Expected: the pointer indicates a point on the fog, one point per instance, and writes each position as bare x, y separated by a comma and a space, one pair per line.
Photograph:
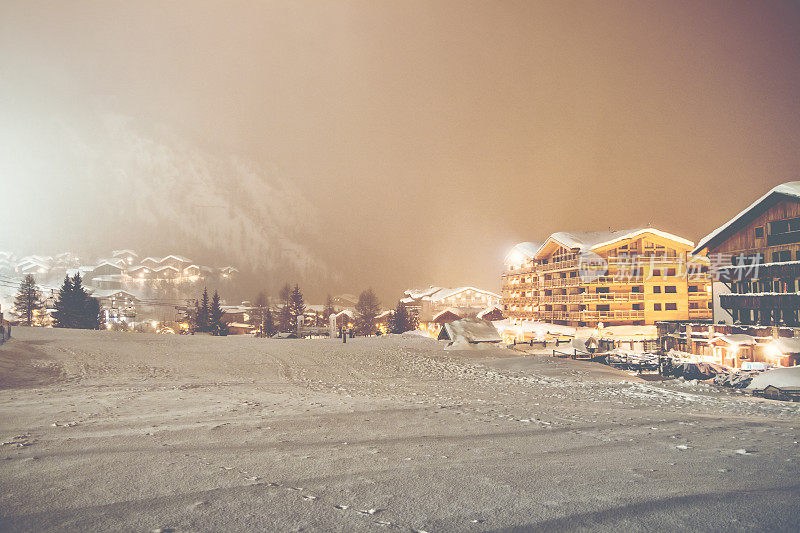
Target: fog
387, 144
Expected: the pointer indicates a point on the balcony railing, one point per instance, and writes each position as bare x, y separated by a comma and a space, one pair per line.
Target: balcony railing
559, 265
760, 301
613, 315
614, 297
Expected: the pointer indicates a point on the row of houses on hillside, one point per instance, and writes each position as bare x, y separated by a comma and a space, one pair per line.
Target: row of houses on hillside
113, 271
627, 277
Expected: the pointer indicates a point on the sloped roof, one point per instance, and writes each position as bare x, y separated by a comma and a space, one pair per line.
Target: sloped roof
736, 339
785, 190
489, 310
787, 345
445, 293
445, 313
178, 257
590, 240
470, 330
115, 253
416, 294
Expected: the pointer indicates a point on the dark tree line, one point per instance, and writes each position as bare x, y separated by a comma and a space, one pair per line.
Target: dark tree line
74, 308
207, 317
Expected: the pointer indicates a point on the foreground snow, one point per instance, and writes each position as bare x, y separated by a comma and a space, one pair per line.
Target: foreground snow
115, 431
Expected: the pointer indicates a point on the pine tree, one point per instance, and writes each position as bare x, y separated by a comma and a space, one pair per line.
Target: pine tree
297, 307
92, 314
284, 314
269, 323
215, 317
202, 318
401, 321
28, 301
74, 307
367, 308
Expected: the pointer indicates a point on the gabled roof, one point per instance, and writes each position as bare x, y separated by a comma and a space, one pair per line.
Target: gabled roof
176, 257
488, 310
784, 190
585, 241
446, 314
117, 253
165, 267
114, 264
446, 293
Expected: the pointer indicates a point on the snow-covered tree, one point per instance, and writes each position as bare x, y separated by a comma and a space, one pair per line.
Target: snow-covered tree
216, 326
28, 301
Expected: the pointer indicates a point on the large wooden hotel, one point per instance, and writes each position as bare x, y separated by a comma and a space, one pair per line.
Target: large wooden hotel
631, 277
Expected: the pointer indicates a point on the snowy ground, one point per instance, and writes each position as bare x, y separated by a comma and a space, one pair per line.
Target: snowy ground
135, 432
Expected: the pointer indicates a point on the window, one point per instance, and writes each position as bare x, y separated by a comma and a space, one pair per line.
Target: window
670, 272
637, 288
656, 290
656, 272
760, 232
603, 290
692, 288
656, 307
637, 307
670, 289
671, 307
604, 307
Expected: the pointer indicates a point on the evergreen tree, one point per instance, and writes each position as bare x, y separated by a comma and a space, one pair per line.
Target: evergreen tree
367, 308
202, 317
62, 315
284, 313
269, 323
28, 301
215, 313
401, 321
74, 308
297, 306
93, 317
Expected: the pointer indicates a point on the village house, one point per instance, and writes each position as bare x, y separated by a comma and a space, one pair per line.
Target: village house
736, 346
629, 277
757, 257
465, 302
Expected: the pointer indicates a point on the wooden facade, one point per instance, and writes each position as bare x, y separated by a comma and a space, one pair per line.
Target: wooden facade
757, 255
637, 279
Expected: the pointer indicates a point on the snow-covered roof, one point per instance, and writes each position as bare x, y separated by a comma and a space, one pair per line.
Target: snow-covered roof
590, 240
416, 294
108, 293
384, 314
441, 294
785, 379
790, 189
166, 267
106, 262
117, 253
736, 339
345, 312
177, 258
489, 310
444, 312
470, 330
787, 345
151, 259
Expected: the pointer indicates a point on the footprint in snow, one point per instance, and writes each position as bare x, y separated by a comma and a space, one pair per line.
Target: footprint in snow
309, 497
369, 511
342, 507
682, 447
742, 451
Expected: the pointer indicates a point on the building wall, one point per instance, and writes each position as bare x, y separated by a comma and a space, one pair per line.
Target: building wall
557, 286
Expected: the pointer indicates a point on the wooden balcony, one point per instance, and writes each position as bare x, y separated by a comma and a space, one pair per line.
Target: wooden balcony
614, 297
559, 265
760, 301
612, 315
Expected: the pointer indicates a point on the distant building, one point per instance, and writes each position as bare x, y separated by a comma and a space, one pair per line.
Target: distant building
757, 257
465, 302
630, 277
